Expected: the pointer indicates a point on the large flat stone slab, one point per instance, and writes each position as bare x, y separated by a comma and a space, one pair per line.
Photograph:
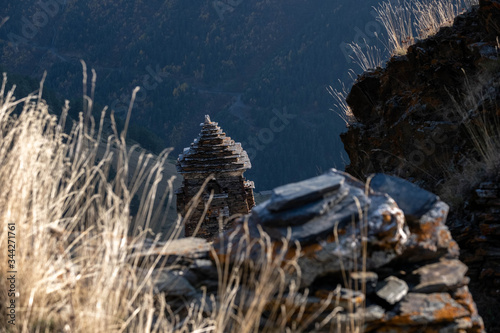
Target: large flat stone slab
413, 200
339, 216
300, 214
424, 309
291, 195
441, 276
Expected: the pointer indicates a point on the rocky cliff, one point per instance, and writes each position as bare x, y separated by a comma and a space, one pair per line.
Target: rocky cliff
432, 117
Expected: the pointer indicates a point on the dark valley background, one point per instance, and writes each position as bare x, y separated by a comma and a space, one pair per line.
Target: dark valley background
259, 68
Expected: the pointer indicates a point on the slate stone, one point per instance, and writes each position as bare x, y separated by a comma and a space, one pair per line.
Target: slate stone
189, 247
392, 290
373, 313
300, 214
338, 216
310, 190
442, 276
413, 200
424, 309
175, 251
344, 321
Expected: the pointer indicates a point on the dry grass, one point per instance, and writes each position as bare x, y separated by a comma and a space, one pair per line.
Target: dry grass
269, 284
73, 229
75, 238
342, 109
406, 21
396, 18
480, 117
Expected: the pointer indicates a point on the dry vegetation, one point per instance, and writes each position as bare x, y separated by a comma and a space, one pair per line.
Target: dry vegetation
75, 236
404, 23
72, 225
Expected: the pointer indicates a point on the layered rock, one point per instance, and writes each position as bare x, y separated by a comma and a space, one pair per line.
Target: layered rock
407, 122
213, 187
408, 125
310, 211
388, 238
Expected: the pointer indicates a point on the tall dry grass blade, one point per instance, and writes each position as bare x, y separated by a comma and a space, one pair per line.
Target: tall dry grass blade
71, 226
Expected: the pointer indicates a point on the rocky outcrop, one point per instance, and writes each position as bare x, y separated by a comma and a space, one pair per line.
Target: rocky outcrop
213, 185
407, 124
432, 117
380, 250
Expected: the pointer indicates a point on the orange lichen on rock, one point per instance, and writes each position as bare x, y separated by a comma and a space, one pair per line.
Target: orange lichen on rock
450, 312
427, 230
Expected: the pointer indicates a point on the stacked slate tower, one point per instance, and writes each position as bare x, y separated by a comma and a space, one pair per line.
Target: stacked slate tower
215, 155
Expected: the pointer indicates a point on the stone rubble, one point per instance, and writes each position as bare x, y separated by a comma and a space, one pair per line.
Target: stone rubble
410, 272
408, 126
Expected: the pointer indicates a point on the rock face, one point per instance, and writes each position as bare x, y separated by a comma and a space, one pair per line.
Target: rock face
215, 156
408, 260
481, 218
408, 126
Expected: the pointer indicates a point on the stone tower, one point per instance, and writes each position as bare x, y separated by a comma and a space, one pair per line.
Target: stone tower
213, 154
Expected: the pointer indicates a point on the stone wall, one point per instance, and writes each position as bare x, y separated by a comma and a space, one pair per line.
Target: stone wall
477, 228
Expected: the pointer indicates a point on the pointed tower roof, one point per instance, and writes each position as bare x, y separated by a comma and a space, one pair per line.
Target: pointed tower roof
213, 152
